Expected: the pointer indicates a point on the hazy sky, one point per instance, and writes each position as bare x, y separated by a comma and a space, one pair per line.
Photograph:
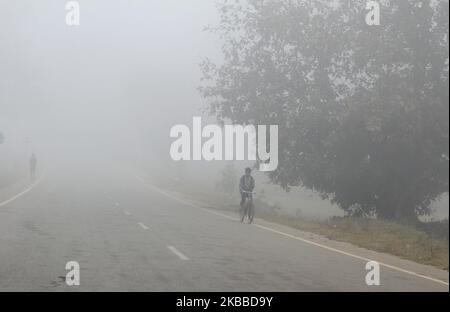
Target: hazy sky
117, 81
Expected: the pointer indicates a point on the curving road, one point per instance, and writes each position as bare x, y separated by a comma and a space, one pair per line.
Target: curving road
129, 236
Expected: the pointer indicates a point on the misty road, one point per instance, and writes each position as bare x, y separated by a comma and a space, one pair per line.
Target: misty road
128, 236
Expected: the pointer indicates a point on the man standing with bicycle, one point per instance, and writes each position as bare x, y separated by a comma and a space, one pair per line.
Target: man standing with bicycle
246, 185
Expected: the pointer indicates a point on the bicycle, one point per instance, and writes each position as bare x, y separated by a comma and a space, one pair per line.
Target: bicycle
248, 208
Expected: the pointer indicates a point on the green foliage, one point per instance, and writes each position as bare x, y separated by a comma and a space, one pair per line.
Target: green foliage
362, 110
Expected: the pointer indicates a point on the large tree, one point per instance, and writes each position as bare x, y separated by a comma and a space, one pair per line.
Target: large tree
362, 110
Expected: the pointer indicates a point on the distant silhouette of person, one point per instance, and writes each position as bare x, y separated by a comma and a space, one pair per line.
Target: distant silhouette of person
246, 185
33, 165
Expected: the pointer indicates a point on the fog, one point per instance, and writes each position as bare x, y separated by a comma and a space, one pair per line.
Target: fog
361, 145
108, 90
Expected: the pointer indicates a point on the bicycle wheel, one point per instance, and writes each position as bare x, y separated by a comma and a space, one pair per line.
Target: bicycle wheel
251, 213
243, 212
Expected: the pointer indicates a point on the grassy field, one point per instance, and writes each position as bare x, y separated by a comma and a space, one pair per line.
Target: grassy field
406, 241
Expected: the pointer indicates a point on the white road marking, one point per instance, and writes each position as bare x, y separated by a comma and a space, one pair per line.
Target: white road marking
142, 225
298, 238
187, 203
178, 253
117, 204
23, 192
350, 255
126, 213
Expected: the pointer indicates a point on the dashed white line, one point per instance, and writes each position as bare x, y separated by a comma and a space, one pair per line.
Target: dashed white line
395, 268
178, 253
127, 213
117, 204
142, 225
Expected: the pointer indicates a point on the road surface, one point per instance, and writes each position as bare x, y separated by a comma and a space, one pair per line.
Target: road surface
129, 236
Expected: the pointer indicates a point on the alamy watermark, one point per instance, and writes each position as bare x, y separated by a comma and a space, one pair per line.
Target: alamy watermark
72, 13
73, 276
373, 16
226, 143
373, 274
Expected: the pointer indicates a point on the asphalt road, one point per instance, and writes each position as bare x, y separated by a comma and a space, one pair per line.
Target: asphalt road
128, 236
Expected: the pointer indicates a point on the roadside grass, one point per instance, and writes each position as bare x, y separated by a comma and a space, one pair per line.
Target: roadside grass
389, 237
402, 240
